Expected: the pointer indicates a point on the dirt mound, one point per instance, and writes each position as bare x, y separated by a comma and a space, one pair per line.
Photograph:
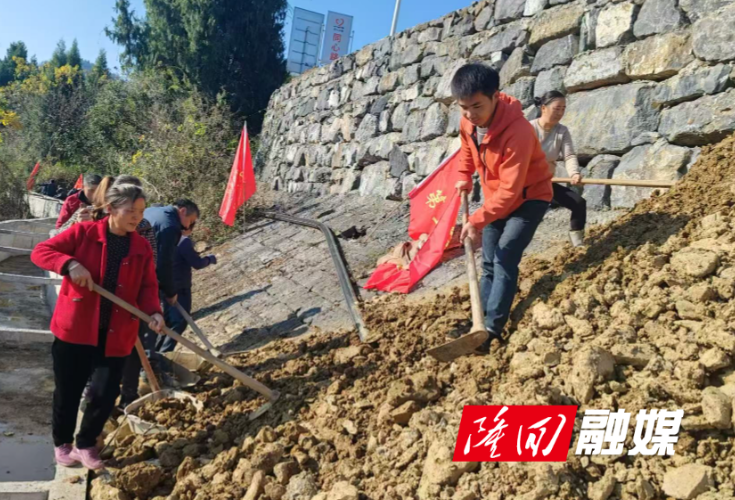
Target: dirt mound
639, 320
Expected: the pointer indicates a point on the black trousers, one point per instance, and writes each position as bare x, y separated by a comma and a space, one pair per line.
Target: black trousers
573, 201
133, 365
73, 366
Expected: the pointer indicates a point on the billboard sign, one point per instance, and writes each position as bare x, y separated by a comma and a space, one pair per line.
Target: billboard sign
303, 47
336, 37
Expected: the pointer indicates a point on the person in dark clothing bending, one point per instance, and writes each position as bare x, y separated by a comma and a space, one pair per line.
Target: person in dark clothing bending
93, 336
169, 223
186, 259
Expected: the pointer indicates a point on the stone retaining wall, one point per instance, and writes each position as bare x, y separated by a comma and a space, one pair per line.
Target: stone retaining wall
649, 81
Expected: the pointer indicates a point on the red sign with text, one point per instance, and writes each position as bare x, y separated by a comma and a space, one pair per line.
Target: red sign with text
515, 433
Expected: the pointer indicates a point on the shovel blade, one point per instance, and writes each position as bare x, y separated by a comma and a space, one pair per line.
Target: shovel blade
462, 346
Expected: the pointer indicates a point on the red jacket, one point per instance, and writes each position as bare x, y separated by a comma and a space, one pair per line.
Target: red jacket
70, 206
510, 161
77, 314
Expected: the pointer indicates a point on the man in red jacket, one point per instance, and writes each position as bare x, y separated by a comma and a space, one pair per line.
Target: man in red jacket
501, 146
79, 199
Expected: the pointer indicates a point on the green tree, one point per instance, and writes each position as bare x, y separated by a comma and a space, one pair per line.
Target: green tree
231, 49
8, 65
73, 57
59, 58
99, 71
130, 33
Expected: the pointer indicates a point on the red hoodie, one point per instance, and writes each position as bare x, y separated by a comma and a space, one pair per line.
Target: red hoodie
510, 161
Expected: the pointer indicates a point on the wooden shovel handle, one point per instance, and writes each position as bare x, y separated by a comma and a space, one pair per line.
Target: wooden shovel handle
199, 333
152, 380
478, 316
230, 370
618, 182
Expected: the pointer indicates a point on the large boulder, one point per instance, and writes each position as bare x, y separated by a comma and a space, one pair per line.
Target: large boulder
658, 57
615, 24
533, 7
598, 68
714, 36
556, 23
443, 92
688, 481
484, 19
590, 367
551, 79
428, 156
502, 39
435, 122
657, 16
557, 52
440, 470
522, 90
706, 120
412, 128
368, 128
376, 180
608, 120
697, 9
601, 167
692, 82
660, 161
517, 66
509, 10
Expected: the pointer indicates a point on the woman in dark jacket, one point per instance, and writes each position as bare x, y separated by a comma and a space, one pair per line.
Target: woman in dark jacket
94, 336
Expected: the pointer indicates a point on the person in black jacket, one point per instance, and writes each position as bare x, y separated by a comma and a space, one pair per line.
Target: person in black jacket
169, 223
186, 259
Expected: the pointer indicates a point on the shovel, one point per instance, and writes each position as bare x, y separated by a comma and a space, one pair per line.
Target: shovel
466, 344
250, 382
198, 331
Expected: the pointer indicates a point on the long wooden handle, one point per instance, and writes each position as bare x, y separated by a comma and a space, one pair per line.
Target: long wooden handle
478, 316
618, 182
230, 370
199, 333
152, 380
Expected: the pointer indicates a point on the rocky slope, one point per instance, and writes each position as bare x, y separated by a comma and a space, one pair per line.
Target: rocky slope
641, 319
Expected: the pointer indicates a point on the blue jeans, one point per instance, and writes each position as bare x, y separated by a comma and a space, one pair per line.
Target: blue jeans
174, 320
503, 243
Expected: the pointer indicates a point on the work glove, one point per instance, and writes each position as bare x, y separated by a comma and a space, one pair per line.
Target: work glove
212, 259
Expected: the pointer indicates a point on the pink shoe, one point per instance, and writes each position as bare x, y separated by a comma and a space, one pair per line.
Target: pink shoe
62, 454
89, 457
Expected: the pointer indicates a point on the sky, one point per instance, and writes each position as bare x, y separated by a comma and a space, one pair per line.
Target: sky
42, 23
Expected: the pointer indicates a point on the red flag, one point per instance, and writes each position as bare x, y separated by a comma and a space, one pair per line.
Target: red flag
80, 182
241, 185
434, 208
32, 179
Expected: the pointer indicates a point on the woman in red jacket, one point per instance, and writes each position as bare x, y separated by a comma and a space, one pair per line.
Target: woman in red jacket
94, 336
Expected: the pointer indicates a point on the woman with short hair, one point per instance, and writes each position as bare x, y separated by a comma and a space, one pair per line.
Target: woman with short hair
93, 335
556, 141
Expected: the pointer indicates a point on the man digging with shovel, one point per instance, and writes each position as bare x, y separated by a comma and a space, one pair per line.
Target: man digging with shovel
500, 144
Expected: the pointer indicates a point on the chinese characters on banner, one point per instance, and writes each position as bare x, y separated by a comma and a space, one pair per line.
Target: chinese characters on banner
336, 37
514, 433
656, 432
543, 433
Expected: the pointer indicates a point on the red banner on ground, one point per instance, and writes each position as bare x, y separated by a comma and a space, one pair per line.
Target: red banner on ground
514, 433
434, 207
241, 185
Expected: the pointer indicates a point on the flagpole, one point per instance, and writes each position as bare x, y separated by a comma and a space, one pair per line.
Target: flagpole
395, 18
245, 135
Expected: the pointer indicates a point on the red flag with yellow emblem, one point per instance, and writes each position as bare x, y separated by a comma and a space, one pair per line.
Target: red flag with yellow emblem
241, 185
434, 207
